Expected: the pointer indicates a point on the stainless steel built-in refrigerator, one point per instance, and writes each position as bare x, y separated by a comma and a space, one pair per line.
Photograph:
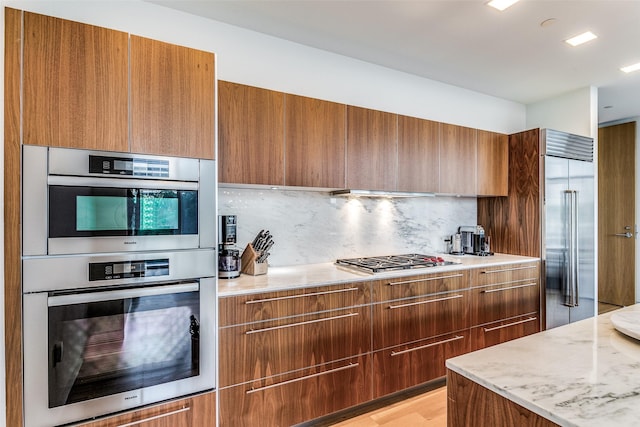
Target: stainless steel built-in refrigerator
568, 248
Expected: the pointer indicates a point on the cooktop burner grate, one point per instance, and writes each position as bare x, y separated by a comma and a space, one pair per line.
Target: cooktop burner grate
379, 264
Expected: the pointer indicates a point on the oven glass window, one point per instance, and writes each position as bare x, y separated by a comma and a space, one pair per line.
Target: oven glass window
101, 213
157, 211
102, 348
97, 211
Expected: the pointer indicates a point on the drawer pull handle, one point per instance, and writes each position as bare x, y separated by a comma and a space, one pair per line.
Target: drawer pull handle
392, 307
504, 270
257, 301
308, 322
330, 371
508, 288
409, 350
155, 417
530, 319
406, 282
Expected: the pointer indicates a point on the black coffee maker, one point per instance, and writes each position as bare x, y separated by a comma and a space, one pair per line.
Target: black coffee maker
228, 255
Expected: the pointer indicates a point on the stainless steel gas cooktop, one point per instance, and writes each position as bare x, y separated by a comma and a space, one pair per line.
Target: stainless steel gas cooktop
378, 264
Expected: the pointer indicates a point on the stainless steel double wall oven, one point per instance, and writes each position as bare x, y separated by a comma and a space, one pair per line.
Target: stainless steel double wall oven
119, 264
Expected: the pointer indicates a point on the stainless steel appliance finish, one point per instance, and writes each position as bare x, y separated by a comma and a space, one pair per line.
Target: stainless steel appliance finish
568, 227
378, 264
113, 332
66, 273
454, 244
100, 177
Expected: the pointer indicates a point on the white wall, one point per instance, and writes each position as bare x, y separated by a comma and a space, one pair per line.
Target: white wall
574, 112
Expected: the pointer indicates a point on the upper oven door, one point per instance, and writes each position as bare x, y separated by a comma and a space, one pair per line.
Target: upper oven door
82, 202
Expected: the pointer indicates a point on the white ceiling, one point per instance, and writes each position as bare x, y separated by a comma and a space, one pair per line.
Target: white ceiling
465, 43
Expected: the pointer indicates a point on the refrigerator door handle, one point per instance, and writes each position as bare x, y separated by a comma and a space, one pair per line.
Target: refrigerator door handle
576, 253
571, 266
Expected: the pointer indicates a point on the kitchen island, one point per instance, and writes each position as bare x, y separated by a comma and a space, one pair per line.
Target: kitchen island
582, 374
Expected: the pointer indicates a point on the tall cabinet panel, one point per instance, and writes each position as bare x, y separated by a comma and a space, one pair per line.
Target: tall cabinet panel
513, 222
372, 149
12, 218
493, 163
418, 155
315, 142
172, 99
458, 157
75, 84
251, 135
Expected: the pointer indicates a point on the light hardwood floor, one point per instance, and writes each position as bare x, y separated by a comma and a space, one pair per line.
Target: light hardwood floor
424, 410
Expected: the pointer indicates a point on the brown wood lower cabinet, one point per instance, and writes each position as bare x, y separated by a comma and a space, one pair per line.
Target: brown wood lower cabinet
505, 330
408, 320
194, 411
259, 350
290, 356
291, 398
405, 366
469, 405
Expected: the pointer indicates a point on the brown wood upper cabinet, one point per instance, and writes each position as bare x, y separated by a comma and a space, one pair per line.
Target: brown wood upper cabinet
372, 149
493, 164
418, 155
75, 84
315, 142
458, 157
251, 135
172, 99
76, 91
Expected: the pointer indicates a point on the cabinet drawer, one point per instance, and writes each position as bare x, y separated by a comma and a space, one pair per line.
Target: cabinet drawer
273, 305
405, 366
285, 400
407, 320
506, 330
259, 350
412, 286
498, 302
505, 273
195, 411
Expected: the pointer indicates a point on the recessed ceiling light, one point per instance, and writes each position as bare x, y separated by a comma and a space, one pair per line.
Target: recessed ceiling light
581, 38
630, 68
501, 4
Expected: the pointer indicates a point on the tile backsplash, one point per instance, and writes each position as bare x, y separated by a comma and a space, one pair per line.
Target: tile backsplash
313, 227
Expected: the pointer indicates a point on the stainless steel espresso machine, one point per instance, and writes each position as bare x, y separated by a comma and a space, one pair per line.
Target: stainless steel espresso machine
228, 254
474, 241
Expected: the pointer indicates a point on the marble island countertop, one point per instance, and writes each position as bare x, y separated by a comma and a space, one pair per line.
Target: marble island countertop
582, 374
300, 276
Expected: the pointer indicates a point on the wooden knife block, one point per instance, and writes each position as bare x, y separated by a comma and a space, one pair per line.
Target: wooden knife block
249, 264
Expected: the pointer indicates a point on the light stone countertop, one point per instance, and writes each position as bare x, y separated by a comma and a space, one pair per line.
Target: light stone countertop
582, 374
301, 276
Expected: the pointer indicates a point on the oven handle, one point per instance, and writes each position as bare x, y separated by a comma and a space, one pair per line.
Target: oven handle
77, 181
88, 297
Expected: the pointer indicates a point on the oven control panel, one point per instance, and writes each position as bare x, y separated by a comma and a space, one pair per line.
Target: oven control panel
129, 166
128, 269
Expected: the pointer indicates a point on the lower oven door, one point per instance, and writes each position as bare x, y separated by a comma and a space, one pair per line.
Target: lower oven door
102, 351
